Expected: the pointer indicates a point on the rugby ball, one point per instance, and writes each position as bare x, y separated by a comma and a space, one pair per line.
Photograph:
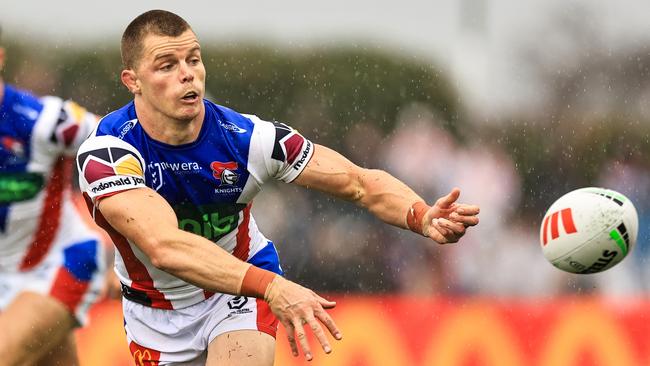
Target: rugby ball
589, 230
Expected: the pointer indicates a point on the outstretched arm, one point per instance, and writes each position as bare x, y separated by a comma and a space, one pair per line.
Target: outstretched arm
146, 219
387, 197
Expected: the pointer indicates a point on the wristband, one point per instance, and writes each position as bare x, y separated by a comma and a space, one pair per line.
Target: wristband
255, 282
415, 215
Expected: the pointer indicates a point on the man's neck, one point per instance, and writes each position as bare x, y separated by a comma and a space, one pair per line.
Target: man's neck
169, 130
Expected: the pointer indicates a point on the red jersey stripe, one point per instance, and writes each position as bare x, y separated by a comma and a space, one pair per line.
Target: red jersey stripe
242, 248
50, 216
137, 271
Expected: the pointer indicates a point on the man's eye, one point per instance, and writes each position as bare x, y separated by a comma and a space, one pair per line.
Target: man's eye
166, 67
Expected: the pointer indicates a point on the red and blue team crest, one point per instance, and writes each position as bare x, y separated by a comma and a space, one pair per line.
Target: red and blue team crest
224, 172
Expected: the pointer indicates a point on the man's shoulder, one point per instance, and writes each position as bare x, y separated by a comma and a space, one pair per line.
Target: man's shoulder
236, 123
17, 96
117, 123
20, 104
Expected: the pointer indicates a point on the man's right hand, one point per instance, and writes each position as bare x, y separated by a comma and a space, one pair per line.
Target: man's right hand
296, 306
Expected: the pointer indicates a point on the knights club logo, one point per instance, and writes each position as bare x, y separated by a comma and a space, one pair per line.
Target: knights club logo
225, 172
553, 220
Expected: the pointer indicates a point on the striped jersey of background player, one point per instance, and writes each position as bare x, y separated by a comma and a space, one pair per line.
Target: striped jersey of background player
51, 263
171, 174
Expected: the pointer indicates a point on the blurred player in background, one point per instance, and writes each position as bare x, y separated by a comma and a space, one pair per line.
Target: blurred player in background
171, 174
51, 263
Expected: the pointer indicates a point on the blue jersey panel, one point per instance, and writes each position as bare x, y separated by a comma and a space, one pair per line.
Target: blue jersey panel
202, 180
18, 114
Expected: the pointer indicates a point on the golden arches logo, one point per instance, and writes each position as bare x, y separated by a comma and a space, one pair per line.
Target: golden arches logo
587, 327
141, 356
369, 338
476, 328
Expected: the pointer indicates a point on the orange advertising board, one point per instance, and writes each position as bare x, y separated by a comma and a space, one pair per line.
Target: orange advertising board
389, 330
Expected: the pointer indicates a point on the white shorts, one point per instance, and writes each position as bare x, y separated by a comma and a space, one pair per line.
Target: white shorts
184, 334
181, 336
72, 273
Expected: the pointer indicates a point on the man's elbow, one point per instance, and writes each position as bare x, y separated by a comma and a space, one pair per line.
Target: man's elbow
361, 184
369, 185
158, 253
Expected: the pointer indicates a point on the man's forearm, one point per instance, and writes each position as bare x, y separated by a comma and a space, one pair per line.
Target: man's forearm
386, 196
146, 219
200, 262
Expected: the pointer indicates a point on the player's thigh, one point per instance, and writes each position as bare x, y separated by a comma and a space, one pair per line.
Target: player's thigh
242, 348
32, 325
63, 354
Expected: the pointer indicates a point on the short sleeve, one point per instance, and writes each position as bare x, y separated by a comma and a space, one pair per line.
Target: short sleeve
75, 124
277, 151
108, 165
63, 125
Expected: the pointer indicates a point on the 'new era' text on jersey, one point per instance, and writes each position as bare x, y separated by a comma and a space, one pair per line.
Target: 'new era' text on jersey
210, 183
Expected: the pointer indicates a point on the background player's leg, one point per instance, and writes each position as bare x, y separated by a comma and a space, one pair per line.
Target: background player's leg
32, 326
242, 348
63, 354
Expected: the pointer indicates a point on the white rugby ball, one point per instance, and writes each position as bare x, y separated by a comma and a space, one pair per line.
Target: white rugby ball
589, 230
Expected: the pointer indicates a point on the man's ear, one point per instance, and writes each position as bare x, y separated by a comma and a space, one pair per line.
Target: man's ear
2, 58
130, 80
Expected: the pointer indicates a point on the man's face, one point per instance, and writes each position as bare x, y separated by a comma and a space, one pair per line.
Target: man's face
171, 75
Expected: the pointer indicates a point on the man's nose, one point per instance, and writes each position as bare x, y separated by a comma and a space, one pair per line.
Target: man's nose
187, 74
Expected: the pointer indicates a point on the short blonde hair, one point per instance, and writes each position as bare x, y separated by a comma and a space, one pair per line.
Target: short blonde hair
158, 22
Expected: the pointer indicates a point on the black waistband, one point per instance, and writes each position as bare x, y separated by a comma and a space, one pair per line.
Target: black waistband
134, 295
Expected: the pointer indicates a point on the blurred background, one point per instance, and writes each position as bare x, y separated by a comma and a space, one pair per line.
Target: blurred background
514, 102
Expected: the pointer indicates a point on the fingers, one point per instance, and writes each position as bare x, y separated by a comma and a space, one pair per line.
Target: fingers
456, 228
320, 334
464, 220
437, 232
444, 231
300, 317
326, 319
302, 339
326, 304
467, 210
448, 200
291, 331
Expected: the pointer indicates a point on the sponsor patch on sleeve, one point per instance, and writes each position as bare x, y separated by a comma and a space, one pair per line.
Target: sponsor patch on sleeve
292, 150
106, 170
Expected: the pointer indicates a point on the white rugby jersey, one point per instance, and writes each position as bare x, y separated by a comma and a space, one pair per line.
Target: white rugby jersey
36, 135
210, 183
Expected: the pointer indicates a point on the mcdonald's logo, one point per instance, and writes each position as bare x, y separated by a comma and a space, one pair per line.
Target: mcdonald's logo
554, 218
144, 356
140, 357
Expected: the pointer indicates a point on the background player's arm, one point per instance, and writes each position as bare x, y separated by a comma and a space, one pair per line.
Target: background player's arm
144, 217
385, 196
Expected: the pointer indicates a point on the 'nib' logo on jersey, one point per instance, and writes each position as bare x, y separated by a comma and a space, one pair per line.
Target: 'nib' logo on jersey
224, 172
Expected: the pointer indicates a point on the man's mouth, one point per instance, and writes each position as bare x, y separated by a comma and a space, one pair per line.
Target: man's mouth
190, 96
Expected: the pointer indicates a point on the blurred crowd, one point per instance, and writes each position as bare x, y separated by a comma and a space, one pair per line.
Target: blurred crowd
386, 113
334, 246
